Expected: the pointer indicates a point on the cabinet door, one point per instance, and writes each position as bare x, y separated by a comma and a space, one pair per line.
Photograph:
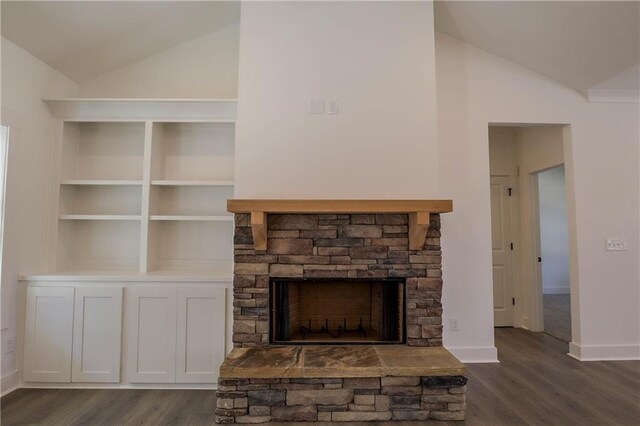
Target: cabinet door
201, 334
96, 335
151, 337
48, 334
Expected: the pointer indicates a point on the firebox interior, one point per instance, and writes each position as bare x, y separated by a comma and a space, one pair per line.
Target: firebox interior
344, 311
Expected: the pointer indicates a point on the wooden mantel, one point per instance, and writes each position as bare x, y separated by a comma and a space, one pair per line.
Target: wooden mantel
418, 211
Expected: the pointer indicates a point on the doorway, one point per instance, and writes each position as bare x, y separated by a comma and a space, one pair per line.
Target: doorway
554, 252
529, 228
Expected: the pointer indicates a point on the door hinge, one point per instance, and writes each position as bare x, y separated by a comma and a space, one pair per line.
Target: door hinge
513, 301
511, 246
539, 259
510, 189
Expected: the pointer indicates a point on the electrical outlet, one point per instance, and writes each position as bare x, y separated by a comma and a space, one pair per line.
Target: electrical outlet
454, 324
616, 244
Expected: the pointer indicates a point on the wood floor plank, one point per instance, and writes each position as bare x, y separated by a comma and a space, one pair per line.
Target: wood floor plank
536, 383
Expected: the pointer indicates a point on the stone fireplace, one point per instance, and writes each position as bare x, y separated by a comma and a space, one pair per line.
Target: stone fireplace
337, 314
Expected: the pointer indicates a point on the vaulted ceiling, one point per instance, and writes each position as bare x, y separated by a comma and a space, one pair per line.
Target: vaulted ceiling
84, 39
582, 44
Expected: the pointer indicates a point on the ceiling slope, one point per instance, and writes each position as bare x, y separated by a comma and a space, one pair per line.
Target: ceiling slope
579, 44
84, 39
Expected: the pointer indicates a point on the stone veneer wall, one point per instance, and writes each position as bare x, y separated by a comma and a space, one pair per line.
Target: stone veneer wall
341, 400
336, 246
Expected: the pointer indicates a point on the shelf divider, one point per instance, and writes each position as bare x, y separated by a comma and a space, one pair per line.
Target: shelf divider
99, 217
207, 218
100, 182
192, 182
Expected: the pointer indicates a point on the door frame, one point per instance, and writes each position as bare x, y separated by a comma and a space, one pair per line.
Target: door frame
529, 314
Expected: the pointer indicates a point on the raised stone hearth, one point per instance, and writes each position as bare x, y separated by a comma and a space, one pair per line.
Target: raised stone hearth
340, 383
321, 276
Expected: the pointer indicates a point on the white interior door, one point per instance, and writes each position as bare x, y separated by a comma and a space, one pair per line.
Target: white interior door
201, 328
151, 341
97, 335
502, 251
48, 334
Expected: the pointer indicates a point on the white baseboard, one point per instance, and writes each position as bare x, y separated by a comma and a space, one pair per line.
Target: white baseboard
163, 386
604, 352
10, 382
556, 290
475, 355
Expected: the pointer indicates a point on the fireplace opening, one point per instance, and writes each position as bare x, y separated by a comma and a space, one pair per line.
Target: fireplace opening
337, 311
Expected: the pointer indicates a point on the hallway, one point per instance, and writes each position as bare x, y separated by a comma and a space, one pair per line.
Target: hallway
557, 316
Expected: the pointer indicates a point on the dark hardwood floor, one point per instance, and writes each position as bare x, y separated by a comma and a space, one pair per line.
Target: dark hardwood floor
536, 383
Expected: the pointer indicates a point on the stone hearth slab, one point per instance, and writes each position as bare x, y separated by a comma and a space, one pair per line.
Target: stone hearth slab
341, 361
419, 361
274, 362
263, 362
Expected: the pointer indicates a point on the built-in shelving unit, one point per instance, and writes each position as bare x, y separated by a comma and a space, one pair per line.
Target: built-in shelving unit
142, 187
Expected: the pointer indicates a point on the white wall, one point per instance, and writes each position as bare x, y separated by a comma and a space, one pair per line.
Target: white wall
25, 82
206, 67
476, 88
377, 58
554, 231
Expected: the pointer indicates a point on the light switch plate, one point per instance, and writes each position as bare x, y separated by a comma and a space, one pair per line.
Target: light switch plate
333, 106
616, 244
316, 106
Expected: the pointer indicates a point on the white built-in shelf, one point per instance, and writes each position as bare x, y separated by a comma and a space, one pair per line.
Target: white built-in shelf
99, 217
217, 218
192, 182
100, 182
142, 188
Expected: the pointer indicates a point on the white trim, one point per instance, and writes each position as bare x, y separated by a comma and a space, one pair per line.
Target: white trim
219, 110
224, 275
10, 382
208, 386
475, 355
613, 96
604, 352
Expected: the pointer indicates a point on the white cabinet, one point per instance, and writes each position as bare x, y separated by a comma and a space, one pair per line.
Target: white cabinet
151, 341
73, 342
48, 334
201, 328
97, 335
169, 333
175, 335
